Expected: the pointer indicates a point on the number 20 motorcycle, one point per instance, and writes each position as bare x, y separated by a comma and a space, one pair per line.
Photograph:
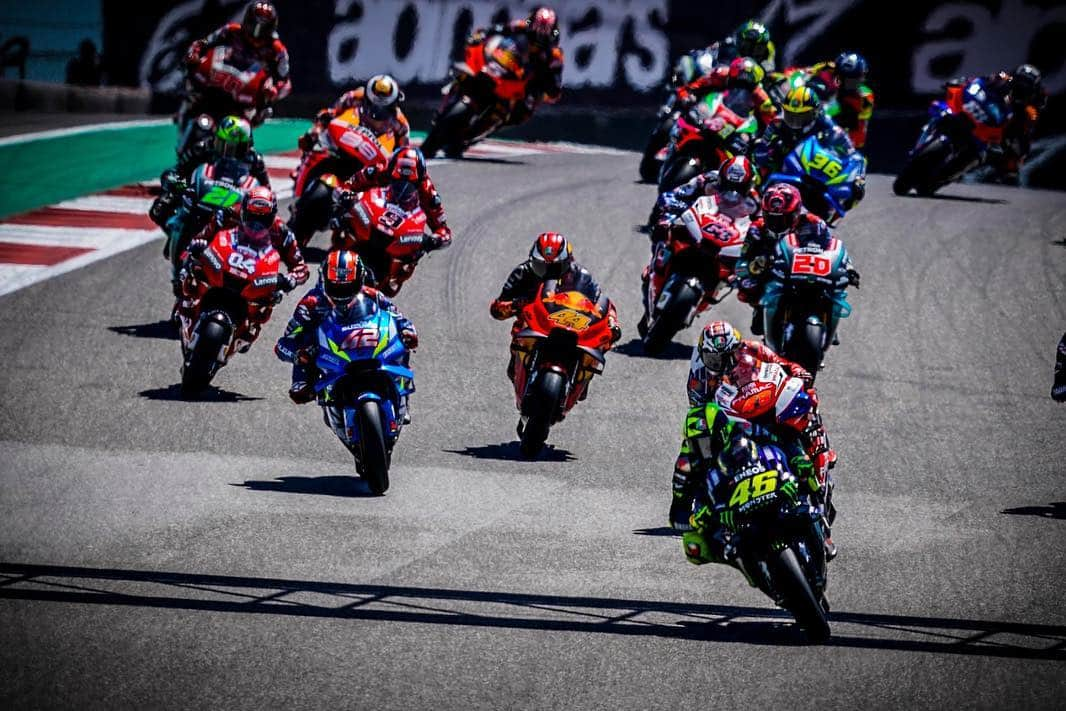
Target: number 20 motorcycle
804, 300
363, 385
563, 342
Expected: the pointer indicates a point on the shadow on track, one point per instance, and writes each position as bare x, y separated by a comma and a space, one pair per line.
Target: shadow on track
661, 531
509, 452
634, 348
159, 329
1055, 510
172, 393
347, 486
553, 613
959, 198
485, 159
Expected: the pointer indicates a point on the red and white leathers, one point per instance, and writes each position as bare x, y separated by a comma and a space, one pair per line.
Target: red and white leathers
397, 125
428, 198
670, 204
273, 54
281, 238
703, 383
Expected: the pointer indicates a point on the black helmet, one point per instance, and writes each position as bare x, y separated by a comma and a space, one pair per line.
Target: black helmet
1026, 84
740, 453
753, 40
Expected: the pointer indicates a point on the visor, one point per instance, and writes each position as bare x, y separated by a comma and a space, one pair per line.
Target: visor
797, 121
718, 362
851, 83
341, 294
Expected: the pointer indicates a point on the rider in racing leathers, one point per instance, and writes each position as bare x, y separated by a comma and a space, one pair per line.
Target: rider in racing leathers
732, 185
715, 359
840, 84
743, 74
255, 38
751, 39
342, 277
408, 181
378, 105
541, 31
551, 257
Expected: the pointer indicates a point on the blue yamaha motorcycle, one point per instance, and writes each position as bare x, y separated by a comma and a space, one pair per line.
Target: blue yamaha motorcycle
363, 385
830, 180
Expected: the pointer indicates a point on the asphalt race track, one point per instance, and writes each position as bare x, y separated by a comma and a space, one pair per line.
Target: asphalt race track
220, 554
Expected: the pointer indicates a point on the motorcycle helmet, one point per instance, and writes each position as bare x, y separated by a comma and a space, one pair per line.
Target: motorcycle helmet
406, 169
1026, 84
741, 453
782, 206
850, 70
343, 275
259, 208
813, 231
233, 138
801, 108
543, 26
745, 73
735, 178
381, 99
260, 23
551, 255
718, 346
753, 40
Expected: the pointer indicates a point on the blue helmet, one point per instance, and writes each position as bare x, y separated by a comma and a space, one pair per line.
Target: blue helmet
851, 70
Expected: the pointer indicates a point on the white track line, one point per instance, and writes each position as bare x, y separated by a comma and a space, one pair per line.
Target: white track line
76, 130
108, 203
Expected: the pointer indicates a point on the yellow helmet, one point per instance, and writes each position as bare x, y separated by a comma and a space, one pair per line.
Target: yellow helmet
801, 107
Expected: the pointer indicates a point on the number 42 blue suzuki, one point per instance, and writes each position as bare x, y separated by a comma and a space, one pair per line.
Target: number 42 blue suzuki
363, 385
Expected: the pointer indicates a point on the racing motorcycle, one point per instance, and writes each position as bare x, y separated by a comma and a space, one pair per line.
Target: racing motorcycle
831, 180
804, 300
718, 127
363, 385
222, 83
216, 191
483, 90
389, 239
232, 289
343, 148
690, 67
961, 130
776, 533
563, 343
688, 271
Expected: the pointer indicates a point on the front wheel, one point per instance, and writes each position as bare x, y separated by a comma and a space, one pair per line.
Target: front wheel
649, 164
806, 345
924, 169
670, 320
202, 362
678, 170
373, 454
447, 131
791, 583
541, 405
310, 212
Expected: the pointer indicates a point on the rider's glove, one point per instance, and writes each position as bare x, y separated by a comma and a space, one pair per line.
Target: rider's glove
501, 310
307, 141
192, 57
616, 330
803, 374
853, 278
197, 247
438, 240
286, 283
305, 356
685, 98
323, 117
409, 337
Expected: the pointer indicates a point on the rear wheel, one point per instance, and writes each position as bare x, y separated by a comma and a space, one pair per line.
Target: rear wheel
446, 133
541, 406
310, 212
200, 366
373, 454
671, 320
923, 171
791, 583
678, 170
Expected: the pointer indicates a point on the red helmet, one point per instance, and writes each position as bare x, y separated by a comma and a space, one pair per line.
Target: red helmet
736, 175
343, 276
781, 207
259, 209
260, 23
406, 169
551, 255
745, 73
543, 26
